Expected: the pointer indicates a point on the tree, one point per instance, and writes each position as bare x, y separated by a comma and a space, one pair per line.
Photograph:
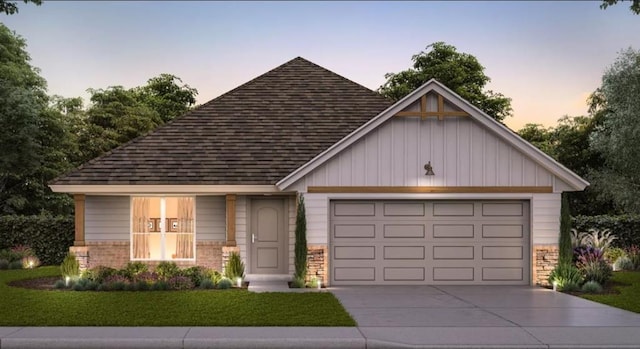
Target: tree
618, 137
169, 99
539, 136
11, 7
565, 253
460, 72
300, 247
634, 7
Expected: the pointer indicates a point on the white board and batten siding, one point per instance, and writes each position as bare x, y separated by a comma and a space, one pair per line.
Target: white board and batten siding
108, 218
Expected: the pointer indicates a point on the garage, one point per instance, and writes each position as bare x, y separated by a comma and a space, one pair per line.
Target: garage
400, 242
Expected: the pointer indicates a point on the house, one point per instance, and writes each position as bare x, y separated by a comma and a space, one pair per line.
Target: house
427, 190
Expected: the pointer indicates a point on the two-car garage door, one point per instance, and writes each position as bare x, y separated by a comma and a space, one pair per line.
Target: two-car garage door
429, 242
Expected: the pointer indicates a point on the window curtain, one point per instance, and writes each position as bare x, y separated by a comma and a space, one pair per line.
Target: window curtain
141, 228
184, 243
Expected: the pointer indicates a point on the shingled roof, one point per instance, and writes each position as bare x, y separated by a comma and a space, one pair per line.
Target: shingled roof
257, 133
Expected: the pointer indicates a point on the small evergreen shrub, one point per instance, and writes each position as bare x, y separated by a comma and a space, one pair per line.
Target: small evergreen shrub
70, 266
570, 286
99, 273
591, 287
59, 284
142, 286
167, 270
215, 276
91, 286
115, 282
565, 276
102, 287
300, 248
4, 264
196, 274
8, 255
313, 283
77, 287
624, 263
179, 282
15, 265
224, 283
146, 277
297, 283
207, 284
134, 268
160, 285
235, 267
130, 286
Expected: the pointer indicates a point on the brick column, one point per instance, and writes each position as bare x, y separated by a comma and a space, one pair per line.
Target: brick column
544, 260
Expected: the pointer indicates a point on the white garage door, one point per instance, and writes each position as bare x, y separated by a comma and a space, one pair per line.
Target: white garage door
429, 242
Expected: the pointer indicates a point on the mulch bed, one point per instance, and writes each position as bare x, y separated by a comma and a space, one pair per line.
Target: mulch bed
43, 283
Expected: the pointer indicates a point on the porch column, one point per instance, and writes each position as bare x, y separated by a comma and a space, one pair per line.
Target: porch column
79, 222
231, 219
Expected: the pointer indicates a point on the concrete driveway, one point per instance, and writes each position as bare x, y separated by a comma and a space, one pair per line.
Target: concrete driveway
486, 316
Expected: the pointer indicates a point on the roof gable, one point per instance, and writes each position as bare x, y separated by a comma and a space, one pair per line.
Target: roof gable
444, 103
255, 134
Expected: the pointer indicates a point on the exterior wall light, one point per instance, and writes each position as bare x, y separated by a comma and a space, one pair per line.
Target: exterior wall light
239, 281
429, 169
555, 285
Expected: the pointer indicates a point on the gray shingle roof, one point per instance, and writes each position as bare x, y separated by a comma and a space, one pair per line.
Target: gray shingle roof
257, 133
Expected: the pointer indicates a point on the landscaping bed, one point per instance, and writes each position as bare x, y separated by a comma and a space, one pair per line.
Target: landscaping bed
198, 307
622, 292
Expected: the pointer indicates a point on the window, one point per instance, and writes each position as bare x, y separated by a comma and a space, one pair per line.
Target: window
163, 228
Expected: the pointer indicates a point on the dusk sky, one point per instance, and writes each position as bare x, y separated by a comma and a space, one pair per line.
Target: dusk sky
546, 56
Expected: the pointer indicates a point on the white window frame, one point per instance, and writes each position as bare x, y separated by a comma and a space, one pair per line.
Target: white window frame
163, 229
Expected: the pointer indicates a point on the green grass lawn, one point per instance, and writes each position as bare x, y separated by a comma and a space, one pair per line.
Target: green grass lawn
28, 307
629, 296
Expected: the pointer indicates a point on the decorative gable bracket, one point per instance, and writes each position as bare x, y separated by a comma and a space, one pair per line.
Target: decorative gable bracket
432, 104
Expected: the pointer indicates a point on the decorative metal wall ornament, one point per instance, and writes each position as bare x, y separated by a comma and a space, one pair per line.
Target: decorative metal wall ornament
429, 169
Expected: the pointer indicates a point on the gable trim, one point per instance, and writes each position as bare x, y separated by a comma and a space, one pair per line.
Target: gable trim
548, 163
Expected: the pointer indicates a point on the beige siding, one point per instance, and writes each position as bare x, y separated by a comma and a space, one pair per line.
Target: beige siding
241, 227
107, 218
546, 218
292, 233
210, 218
462, 154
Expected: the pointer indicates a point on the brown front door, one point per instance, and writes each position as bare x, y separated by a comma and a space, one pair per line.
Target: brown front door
267, 236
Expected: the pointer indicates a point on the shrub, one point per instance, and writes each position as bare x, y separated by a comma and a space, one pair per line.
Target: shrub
134, 268
224, 283
235, 267
115, 282
22, 251
565, 276
623, 263
300, 248
633, 252
625, 227
146, 277
313, 283
167, 270
591, 287
297, 283
130, 286
4, 264
59, 284
77, 287
215, 276
70, 266
600, 239
160, 285
99, 273
142, 286
207, 284
179, 282
15, 265
613, 253
570, 286
48, 236
92, 286
30, 262
196, 274
8, 255
598, 271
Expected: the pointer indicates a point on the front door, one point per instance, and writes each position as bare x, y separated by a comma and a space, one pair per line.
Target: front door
267, 236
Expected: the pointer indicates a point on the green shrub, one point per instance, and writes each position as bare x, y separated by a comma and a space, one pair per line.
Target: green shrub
167, 270
207, 284
591, 287
313, 283
8, 255
99, 273
92, 286
117, 286
15, 265
77, 287
133, 269
70, 266
598, 271
160, 285
4, 264
180, 282
633, 252
300, 248
142, 286
195, 274
59, 284
224, 283
624, 263
565, 276
570, 286
624, 226
130, 286
235, 267
215, 276
613, 253
297, 283
565, 253
48, 236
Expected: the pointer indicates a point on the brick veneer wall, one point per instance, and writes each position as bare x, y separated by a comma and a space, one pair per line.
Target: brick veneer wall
545, 258
317, 260
115, 254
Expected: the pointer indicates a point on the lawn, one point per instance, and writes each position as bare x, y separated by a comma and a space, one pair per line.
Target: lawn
629, 288
28, 307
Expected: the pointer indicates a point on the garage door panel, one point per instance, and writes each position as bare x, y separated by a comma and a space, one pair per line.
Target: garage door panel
354, 231
354, 209
430, 242
404, 230
453, 252
404, 274
441, 231
404, 252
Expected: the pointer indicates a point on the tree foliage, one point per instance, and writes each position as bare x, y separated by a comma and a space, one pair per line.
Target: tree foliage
634, 7
300, 248
565, 249
460, 72
618, 137
11, 7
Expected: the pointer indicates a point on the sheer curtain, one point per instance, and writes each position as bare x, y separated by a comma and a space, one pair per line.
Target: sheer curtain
141, 228
184, 242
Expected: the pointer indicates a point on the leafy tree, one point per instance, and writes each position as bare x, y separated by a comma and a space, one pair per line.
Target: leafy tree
539, 136
634, 7
618, 137
461, 72
11, 7
166, 97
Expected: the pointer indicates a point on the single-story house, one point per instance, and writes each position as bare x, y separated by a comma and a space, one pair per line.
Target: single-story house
426, 190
